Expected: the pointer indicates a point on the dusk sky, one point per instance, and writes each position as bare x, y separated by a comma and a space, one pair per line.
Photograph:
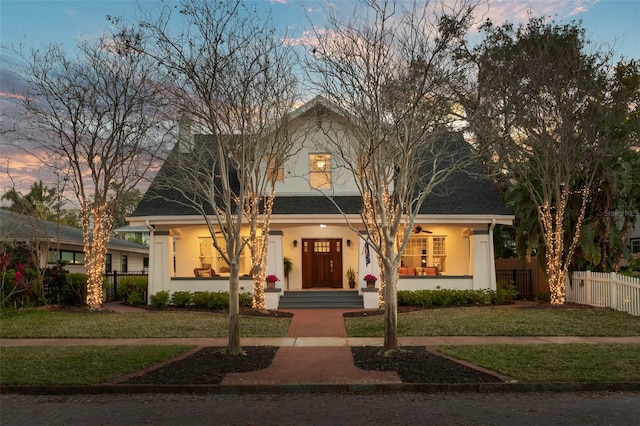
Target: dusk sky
609, 23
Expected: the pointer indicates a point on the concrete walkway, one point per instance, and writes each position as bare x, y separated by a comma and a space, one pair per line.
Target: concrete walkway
316, 349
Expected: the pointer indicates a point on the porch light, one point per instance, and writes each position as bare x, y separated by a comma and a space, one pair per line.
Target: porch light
295, 243
322, 225
348, 243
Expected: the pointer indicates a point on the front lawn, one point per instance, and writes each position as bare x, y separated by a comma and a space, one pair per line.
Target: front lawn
502, 321
78, 365
555, 363
57, 324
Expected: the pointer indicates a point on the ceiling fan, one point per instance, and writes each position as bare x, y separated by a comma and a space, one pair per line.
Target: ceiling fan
418, 229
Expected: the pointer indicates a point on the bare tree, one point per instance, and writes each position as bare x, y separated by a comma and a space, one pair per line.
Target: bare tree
232, 77
386, 68
536, 107
98, 113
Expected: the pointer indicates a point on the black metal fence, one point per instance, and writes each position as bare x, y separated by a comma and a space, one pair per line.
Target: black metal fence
111, 292
521, 278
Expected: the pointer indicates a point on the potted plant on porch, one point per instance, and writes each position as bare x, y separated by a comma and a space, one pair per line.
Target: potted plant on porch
271, 281
371, 280
351, 277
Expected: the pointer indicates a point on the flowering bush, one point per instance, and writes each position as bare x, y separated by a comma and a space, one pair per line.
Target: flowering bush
370, 277
272, 278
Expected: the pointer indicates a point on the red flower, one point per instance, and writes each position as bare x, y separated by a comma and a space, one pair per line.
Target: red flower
272, 278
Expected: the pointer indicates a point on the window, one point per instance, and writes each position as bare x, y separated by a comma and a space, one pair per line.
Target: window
107, 263
635, 245
271, 168
320, 171
416, 252
67, 257
439, 252
425, 251
145, 262
124, 264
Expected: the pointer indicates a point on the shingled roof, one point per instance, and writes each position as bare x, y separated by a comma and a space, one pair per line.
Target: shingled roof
463, 193
18, 227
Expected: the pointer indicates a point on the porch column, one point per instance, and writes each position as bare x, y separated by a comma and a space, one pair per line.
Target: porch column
160, 261
482, 255
275, 265
367, 263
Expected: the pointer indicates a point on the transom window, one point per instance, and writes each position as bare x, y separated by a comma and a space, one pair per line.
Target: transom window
320, 170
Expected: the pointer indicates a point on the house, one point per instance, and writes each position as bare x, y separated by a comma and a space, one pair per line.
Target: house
451, 245
55, 242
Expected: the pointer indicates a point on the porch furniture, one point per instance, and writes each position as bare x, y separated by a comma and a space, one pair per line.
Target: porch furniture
205, 272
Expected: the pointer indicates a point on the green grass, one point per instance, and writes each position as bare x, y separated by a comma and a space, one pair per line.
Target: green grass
53, 324
77, 365
502, 321
555, 363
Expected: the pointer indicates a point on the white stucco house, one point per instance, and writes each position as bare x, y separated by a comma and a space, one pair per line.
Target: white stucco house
450, 247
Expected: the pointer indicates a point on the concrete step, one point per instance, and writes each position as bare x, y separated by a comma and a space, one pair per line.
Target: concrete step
320, 299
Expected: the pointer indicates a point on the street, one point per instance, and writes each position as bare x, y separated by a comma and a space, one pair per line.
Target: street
546, 408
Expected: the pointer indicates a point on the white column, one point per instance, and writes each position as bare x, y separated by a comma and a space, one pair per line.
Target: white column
160, 261
482, 260
363, 267
275, 265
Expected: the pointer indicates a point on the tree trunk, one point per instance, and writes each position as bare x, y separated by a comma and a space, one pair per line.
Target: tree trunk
390, 310
233, 347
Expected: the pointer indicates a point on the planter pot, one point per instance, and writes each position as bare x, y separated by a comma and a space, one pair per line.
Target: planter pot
352, 284
371, 284
271, 284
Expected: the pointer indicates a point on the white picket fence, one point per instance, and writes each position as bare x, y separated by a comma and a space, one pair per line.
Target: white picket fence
607, 290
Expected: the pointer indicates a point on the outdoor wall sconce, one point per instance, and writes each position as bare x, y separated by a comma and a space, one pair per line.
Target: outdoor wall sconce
348, 243
295, 243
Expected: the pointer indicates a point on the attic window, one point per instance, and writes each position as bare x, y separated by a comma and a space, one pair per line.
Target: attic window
272, 172
320, 170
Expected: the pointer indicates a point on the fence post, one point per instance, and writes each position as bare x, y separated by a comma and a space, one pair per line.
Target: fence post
587, 287
115, 285
614, 290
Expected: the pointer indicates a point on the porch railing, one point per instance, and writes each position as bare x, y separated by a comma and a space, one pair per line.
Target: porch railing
607, 290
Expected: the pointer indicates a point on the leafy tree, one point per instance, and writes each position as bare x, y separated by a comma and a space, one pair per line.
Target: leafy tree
534, 99
41, 202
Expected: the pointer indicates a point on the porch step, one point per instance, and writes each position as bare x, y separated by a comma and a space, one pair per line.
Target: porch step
320, 299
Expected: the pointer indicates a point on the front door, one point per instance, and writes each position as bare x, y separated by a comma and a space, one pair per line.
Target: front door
322, 263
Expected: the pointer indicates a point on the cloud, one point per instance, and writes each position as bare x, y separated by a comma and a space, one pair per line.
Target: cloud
71, 13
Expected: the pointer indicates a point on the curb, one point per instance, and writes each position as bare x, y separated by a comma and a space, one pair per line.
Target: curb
324, 388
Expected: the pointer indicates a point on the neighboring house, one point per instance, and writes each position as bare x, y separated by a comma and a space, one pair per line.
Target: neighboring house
133, 233
451, 245
55, 242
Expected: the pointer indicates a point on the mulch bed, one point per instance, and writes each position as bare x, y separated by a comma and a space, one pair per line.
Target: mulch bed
413, 364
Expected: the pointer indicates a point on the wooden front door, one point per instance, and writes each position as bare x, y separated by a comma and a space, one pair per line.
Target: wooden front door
322, 263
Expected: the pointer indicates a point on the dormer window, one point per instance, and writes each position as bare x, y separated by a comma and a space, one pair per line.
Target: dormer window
320, 170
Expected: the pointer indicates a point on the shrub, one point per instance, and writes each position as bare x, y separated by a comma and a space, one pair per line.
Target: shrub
181, 298
203, 299
127, 286
76, 292
160, 299
445, 297
246, 300
506, 292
